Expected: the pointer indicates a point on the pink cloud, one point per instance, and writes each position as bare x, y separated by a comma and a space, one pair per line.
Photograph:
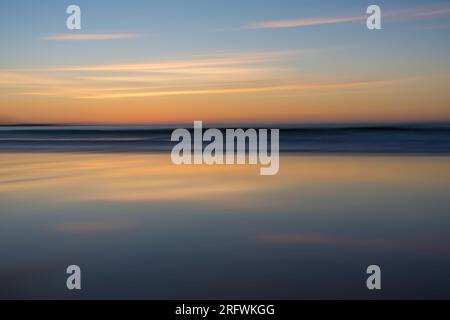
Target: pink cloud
410, 13
91, 36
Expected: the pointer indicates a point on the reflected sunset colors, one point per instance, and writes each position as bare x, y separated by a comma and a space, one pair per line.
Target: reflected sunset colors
161, 224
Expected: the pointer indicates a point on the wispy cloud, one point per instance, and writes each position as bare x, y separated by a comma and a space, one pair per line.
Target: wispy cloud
91, 36
406, 13
293, 23
246, 89
24, 78
231, 73
177, 65
430, 12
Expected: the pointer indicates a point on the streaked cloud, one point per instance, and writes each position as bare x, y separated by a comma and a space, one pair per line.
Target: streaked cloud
432, 12
229, 73
292, 87
228, 59
407, 13
155, 78
13, 78
277, 24
91, 36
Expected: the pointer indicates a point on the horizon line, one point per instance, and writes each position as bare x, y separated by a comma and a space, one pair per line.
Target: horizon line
174, 124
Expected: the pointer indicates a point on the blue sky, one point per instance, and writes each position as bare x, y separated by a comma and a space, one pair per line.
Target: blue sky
414, 42
183, 27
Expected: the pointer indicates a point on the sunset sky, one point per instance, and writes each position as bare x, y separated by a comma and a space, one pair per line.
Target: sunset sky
234, 61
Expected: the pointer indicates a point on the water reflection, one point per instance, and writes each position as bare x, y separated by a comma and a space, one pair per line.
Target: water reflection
144, 228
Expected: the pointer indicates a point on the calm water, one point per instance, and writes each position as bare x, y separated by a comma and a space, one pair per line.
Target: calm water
140, 227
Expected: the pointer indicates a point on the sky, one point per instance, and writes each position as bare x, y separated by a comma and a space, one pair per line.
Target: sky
234, 61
